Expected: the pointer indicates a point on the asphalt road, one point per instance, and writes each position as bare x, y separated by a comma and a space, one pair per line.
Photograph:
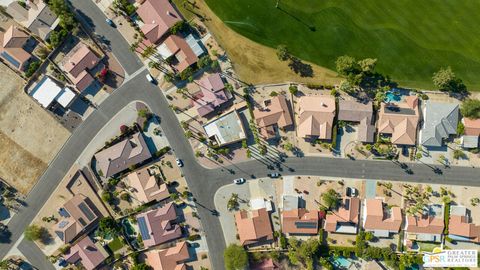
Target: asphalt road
202, 182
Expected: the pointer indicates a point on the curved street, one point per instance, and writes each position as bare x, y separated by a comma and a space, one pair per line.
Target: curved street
202, 182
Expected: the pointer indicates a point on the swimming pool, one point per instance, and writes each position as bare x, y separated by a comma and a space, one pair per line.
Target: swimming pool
341, 263
393, 96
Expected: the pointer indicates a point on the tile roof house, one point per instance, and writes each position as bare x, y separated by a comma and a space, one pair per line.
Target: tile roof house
254, 227
146, 187
77, 63
158, 226
120, 156
36, 17
316, 114
345, 218
440, 121
381, 220
79, 214
158, 17
12, 42
169, 259
400, 120
471, 133
426, 227
89, 254
212, 94
353, 111
300, 221
460, 227
275, 114
267, 264
181, 52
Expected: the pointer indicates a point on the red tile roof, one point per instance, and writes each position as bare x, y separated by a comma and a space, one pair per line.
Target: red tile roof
293, 220
347, 213
160, 227
212, 94
276, 112
146, 188
254, 227
158, 16
472, 126
425, 224
379, 218
77, 63
12, 42
89, 254
169, 259
401, 121
179, 47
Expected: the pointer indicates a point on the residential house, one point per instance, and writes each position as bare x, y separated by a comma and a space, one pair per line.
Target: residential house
226, 129
158, 226
12, 48
120, 156
316, 115
372, 265
78, 216
179, 52
87, 253
212, 94
169, 259
345, 218
274, 114
300, 221
145, 186
400, 121
427, 226
380, 219
158, 17
254, 227
78, 63
267, 264
49, 93
460, 227
36, 16
362, 113
440, 121
471, 133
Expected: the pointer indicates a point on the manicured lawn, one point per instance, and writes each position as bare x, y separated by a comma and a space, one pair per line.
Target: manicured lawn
115, 245
412, 39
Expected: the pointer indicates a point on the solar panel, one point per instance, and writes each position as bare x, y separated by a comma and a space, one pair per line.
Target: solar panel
62, 224
10, 59
86, 211
306, 225
143, 228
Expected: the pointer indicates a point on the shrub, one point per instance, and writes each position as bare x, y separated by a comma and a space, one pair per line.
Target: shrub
235, 257
293, 89
35, 232
273, 94
107, 197
125, 196
32, 67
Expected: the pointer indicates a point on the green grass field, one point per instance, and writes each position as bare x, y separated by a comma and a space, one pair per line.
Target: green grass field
411, 38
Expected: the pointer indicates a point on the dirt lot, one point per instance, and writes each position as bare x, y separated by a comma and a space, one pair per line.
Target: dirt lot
27, 146
253, 62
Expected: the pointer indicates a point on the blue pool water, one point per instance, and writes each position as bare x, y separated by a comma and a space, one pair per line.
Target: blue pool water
392, 97
341, 263
413, 267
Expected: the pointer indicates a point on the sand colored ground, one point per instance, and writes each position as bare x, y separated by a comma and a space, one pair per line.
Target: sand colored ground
253, 63
29, 136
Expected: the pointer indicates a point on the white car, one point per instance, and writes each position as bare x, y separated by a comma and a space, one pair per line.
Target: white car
150, 78
239, 181
179, 162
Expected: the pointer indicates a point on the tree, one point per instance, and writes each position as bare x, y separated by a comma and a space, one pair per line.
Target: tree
235, 257
293, 89
346, 65
331, 199
107, 226
141, 266
282, 53
470, 108
367, 65
35, 232
347, 87
204, 61
180, 26
446, 80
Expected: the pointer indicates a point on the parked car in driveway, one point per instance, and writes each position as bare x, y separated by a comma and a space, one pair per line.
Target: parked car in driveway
351, 192
179, 162
273, 175
150, 78
239, 181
